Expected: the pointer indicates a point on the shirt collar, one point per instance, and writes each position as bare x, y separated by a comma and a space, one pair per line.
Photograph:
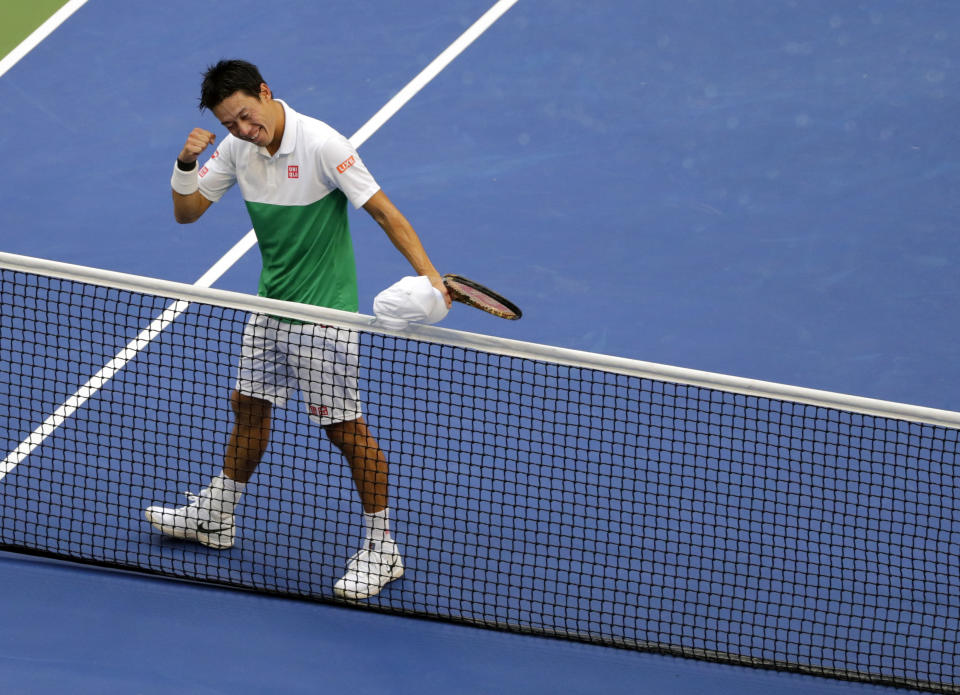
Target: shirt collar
289, 141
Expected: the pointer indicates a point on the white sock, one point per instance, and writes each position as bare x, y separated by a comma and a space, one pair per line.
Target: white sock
224, 494
377, 525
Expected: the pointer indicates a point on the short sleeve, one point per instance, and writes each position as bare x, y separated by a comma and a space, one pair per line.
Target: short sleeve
343, 168
219, 173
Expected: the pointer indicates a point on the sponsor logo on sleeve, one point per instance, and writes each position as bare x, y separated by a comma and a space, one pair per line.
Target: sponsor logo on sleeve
203, 172
319, 411
346, 164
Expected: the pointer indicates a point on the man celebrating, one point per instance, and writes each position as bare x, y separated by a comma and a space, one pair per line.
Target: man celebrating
296, 175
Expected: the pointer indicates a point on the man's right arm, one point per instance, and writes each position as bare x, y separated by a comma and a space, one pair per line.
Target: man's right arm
189, 205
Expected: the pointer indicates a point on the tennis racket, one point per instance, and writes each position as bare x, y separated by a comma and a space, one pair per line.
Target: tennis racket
476, 295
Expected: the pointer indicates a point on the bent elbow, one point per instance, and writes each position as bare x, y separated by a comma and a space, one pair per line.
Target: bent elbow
187, 209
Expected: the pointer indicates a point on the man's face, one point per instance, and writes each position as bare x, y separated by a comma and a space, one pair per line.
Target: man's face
248, 118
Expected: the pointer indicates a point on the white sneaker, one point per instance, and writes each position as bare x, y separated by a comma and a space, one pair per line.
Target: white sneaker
369, 570
194, 522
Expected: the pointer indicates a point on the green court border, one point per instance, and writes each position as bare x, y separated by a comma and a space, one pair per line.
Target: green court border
19, 19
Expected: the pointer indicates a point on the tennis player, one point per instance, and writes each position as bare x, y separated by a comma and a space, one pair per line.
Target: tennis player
296, 175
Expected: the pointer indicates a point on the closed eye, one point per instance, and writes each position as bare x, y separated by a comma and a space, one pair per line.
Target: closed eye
242, 116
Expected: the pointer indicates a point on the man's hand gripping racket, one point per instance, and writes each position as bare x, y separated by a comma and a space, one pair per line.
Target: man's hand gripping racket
476, 295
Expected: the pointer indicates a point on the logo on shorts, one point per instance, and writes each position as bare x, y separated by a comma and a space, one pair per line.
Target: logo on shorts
203, 172
319, 411
346, 164
293, 172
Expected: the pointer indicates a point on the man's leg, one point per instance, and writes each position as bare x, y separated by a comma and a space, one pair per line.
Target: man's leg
367, 462
378, 561
209, 518
248, 441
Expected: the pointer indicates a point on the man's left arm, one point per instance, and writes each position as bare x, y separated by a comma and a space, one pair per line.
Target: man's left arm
403, 236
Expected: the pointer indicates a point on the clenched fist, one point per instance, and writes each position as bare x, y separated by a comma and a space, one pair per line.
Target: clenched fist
198, 140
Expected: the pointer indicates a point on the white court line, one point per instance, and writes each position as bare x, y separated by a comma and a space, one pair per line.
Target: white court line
39, 34
94, 384
172, 312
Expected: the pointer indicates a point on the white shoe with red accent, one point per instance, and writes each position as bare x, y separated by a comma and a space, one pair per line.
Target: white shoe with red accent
369, 570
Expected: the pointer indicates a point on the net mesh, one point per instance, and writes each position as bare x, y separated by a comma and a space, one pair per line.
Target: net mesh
526, 495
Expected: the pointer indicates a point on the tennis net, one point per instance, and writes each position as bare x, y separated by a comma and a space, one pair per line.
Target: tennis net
534, 489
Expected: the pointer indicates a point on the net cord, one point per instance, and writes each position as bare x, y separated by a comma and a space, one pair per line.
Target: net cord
484, 343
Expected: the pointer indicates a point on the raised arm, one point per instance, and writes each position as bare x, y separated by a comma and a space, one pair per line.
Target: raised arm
188, 203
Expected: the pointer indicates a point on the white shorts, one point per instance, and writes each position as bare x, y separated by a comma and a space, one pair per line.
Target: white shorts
279, 358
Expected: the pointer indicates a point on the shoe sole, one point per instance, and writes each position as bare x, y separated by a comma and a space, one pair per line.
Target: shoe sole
395, 573
207, 539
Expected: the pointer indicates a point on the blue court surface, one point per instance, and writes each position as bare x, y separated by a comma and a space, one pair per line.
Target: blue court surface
763, 188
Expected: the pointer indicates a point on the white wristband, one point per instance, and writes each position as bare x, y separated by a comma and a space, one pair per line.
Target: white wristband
185, 182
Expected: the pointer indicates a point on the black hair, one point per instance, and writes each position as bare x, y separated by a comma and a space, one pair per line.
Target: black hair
228, 77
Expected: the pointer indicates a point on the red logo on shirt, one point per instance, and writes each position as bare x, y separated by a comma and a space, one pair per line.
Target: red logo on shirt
293, 172
203, 172
319, 411
216, 153
346, 164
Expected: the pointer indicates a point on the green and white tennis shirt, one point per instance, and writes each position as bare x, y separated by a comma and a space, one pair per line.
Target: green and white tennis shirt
297, 200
